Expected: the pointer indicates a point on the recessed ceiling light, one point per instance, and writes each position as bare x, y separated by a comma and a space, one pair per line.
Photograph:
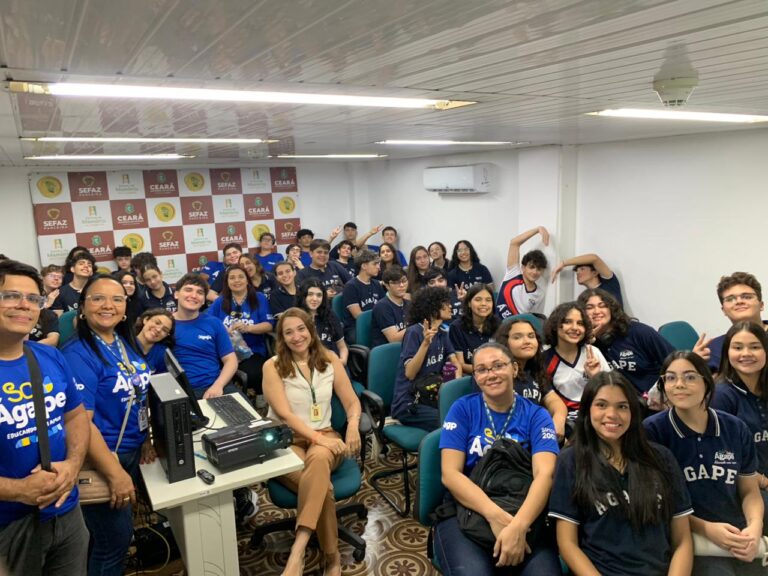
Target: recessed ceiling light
333, 156
97, 157
679, 115
149, 140
127, 91
447, 143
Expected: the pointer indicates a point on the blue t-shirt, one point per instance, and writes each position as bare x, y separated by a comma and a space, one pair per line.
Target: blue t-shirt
638, 355
466, 341
735, 398
711, 462
606, 535
200, 345
306, 258
156, 359
386, 314
106, 389
437, 354
19, 453
478, 274
212, 269
245, 314
364, 295
268, 262
148, 300
466, 428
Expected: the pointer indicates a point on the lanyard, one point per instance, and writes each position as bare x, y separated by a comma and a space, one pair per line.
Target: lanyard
124, 363
506, 422
311, 377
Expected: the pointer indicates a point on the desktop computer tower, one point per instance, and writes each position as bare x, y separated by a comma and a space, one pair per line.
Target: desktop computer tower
169, 409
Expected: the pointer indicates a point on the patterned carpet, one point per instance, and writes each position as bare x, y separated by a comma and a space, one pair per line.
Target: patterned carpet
395, 546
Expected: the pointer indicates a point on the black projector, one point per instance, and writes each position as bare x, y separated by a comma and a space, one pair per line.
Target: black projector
245, 444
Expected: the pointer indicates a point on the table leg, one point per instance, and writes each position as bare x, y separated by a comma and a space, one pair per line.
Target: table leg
205, 532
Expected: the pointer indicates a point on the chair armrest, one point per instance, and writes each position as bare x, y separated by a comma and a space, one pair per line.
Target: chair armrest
357, 363
365, 426
373, 408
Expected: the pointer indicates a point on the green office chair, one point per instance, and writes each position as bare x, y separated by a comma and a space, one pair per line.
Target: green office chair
451, 391
536, 322
346, 480
680, 334
66, 326
429, 485
382, 370
363, 329
337, 305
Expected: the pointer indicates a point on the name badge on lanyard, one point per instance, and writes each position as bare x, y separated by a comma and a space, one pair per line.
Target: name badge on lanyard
315, 413
315, 410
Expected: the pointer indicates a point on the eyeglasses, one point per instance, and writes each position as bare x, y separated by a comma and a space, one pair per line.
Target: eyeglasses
496, 367
53, 276
100, 299
686, 378
13, 298
747, 297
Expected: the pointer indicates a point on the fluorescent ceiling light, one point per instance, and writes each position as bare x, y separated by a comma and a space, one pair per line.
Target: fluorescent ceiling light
97, 157
126, 91
149, 140
445, 143
679, 115
337, 156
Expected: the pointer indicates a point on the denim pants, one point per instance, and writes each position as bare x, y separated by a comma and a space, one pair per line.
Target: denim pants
460, 556
111, 529
420, 416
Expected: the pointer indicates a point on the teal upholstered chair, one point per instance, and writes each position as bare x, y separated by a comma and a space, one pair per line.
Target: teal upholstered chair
535, 321
66, 326
451, 391
382, 370
363, 328
337, 305
346, 480
680, 334
429, 485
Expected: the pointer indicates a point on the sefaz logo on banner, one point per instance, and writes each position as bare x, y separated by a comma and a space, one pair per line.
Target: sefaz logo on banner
87, 186
226, 181
128, 214
283, 179
197, 210
286, 230
167, 241
99, 244
161, 183
54, 219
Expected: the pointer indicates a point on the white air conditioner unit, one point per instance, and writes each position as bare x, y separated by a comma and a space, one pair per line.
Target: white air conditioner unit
470, 179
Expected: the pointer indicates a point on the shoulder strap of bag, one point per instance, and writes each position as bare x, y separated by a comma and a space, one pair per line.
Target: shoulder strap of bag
125, 418
41, 414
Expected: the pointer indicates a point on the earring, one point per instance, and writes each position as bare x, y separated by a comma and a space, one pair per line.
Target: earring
124, 318
81, 316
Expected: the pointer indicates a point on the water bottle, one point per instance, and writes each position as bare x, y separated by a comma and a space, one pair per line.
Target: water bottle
449, 372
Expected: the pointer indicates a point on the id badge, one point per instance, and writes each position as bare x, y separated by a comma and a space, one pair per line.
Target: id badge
315, 413
143, 418
136, 380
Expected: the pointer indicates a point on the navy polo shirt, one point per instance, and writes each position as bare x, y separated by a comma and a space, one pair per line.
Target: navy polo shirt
386, 314
638, 355
529, 389
466, 341
364, 295
612, 286
711, 462
735, 398
606, 535
478, 274
330, 331
716, 350
334, 273
280, 301
148, 300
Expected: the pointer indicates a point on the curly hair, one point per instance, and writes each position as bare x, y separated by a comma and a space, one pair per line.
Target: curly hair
534, 366
557, 319
736, 279
619, 324
491, 322
536, 258
318, 358
426, 304
473, 257
324, 310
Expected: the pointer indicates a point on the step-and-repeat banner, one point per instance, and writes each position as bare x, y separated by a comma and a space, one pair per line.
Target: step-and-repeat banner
184, 217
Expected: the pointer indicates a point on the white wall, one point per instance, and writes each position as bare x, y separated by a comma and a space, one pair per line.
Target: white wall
672, 215
326, 202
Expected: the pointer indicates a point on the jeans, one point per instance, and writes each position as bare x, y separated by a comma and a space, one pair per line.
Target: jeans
460, 556
420, 416
111, 529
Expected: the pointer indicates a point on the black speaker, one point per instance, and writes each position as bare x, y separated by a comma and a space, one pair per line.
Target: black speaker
169, 409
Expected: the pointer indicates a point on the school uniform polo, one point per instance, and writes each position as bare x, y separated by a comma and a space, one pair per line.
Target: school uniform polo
333, 274
613, 287
478, 274
387, 314
514, 298
148, 300
711, 462
280, 301
569, 380
466, 341
330, 331
735, 398
637, 355
365, 295
530, 389
606, 535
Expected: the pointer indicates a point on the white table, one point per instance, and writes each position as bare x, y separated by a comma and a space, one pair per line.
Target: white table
202, 516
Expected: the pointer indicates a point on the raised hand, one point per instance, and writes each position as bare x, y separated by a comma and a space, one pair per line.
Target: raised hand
592, 364
461, 290
429, 332
702, 347
557, 270
544, 235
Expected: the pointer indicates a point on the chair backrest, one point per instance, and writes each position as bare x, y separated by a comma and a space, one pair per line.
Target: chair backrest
66, 326
535, 321
429, 484
337, 305
680, 334
363, 328
451, 391
383, 364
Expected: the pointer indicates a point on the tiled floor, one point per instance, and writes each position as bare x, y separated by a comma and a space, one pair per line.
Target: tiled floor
396, 546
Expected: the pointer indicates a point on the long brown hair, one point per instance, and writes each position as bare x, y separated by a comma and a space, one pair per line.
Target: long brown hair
318, 359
